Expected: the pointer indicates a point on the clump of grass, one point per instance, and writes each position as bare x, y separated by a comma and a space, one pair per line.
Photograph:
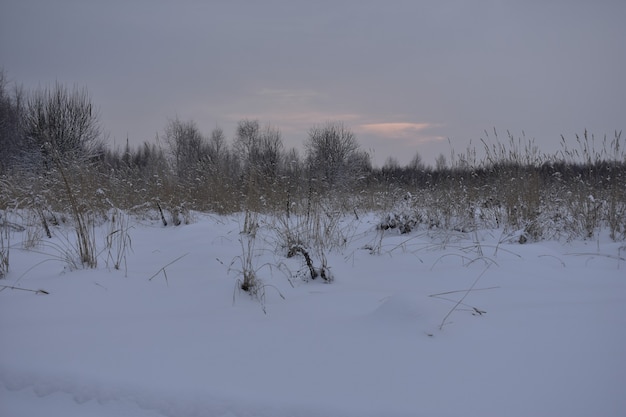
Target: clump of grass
250, 282
245, 264
84, 222
247, 239
9, 222
314, 272
313, 234
118, 241
34, 230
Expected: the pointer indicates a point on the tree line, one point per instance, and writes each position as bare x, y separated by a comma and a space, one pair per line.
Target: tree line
57, 129
54, 155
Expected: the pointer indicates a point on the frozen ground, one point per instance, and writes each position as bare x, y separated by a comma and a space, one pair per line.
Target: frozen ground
542, 333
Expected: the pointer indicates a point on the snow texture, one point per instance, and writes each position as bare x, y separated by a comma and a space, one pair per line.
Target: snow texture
541, 333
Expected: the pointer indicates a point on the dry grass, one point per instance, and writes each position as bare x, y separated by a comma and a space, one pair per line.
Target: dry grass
572, 194
118, 241
5, 246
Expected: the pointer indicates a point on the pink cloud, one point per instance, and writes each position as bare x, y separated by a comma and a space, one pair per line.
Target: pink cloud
401, 130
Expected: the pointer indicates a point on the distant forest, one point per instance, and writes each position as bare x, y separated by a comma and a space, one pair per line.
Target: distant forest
54, 160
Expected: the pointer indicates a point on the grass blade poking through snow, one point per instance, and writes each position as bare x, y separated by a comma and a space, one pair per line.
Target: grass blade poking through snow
458, 303
118, 240
9, 287
163, 268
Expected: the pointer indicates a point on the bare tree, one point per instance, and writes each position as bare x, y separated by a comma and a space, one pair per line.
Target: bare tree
292, 175
441, 163
259, 150
333, 155
391, 164
217, 147
11, 123
271, 144
417, 163
247, 140
391, 168
246, 147
63, 133
187, 146
62, 124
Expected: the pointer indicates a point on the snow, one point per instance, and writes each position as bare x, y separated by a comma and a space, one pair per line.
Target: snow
541, 333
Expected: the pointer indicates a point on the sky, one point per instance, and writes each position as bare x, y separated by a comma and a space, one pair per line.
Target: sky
404, 76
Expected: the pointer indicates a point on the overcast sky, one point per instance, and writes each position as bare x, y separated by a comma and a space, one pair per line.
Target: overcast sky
405, 76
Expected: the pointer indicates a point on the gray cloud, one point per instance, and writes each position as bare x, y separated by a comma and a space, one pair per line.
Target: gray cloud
458, 67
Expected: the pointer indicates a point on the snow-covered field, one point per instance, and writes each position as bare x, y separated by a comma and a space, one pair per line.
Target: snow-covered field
541, 333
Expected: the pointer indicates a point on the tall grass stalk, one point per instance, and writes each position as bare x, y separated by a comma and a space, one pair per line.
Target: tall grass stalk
5, 245
247, 240
84, 225
118, 241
